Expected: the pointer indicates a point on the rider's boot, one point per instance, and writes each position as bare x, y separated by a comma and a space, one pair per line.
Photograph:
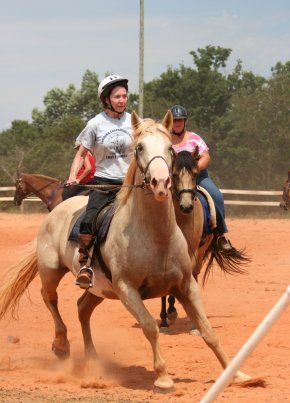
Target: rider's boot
85, 276
224, 245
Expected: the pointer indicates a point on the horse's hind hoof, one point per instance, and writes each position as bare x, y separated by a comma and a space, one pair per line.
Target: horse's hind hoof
61, 354
171, 317
164, 329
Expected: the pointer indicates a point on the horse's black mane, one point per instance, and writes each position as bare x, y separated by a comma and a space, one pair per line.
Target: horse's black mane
185, 159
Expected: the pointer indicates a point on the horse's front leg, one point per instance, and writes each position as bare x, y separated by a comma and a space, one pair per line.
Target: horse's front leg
86, 305
134, 304
191, 302
50, 279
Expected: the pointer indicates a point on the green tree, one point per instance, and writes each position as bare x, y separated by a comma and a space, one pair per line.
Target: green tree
70, 102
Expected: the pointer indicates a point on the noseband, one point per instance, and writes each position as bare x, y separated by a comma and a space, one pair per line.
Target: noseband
144, 171
190, 191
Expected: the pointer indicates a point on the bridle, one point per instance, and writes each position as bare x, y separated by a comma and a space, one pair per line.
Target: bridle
19, 186
143, 171
178, 193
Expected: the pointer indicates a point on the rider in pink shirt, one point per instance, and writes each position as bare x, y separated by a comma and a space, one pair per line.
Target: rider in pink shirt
185, 140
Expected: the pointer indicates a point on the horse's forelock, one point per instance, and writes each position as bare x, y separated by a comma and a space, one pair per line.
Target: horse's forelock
148, 126
184, 159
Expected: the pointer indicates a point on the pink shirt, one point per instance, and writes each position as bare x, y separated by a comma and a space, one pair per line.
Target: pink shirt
193, 141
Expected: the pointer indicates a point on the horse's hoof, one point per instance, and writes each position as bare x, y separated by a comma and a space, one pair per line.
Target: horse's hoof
164, 385
241, 377
61, 354
171, 317
195, 332
164, 329
163, 391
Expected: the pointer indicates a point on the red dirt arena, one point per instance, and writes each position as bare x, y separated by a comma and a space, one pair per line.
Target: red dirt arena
235, 305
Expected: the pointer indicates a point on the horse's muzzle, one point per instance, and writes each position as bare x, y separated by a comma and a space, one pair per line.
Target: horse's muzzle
160, 187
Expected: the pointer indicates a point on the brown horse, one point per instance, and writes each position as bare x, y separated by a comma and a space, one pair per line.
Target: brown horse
191, 219
145, 252
285, 202
48, 189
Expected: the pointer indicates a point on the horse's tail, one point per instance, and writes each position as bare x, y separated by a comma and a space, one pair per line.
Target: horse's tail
230, 263
16, 281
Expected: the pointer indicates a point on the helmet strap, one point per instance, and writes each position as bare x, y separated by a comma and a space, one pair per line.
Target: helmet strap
178, 134
109, 106
182, 132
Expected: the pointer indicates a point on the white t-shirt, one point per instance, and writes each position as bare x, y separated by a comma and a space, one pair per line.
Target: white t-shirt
111, 140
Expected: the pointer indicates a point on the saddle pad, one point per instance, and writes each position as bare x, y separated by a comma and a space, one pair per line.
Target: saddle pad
206, 214
76, 228
101, 230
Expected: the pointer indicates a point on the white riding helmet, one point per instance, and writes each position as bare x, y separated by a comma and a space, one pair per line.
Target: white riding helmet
110, 81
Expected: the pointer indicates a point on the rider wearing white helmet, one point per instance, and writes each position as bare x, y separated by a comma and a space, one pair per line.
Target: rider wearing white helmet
109, 135
105, 89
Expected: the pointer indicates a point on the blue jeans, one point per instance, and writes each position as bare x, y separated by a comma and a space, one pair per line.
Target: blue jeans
204, 180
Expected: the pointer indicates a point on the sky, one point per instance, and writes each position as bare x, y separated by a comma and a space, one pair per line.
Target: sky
47, 44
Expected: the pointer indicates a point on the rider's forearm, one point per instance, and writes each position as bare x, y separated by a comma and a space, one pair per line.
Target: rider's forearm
76, 166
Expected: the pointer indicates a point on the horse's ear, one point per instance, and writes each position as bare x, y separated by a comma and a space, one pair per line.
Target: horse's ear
167, 121
135, 121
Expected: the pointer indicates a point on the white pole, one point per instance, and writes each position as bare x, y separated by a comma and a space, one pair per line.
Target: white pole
229, 372
141, 60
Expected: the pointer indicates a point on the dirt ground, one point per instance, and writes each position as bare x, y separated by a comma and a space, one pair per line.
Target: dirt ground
29, 372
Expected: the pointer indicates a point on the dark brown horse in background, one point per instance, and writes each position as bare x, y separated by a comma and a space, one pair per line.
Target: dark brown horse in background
285, 202
48, 189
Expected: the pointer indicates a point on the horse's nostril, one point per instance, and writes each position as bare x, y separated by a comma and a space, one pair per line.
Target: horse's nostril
186, 209
168, 183
154, 182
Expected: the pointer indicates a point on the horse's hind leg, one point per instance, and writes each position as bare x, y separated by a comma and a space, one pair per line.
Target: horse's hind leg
192, 305
50, 279
133, 302
163, 316
168, 317
171, 311
86, 305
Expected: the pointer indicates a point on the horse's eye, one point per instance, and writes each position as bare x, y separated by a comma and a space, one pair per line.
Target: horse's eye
139, 148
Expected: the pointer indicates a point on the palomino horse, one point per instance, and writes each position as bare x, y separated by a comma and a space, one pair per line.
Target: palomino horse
145, 253
48, 189
285, 202
191, 219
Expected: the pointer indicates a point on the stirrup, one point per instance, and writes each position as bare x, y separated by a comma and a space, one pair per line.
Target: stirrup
85, 278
